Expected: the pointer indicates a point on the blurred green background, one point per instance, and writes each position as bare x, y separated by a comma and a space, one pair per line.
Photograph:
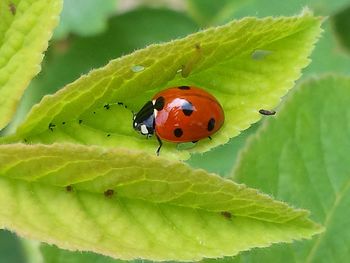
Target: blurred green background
92, 32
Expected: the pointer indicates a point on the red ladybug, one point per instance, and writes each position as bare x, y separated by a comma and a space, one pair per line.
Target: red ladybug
180, 114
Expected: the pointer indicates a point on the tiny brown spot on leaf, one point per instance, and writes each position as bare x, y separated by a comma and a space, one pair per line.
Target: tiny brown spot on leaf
109, 193
12, 8
226, 214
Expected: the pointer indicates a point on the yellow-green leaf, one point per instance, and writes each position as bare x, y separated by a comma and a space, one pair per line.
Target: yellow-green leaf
25, 28
128, 204
247, 64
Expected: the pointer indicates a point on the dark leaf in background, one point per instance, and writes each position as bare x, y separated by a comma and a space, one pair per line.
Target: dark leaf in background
84, 17
10, 248
341, 22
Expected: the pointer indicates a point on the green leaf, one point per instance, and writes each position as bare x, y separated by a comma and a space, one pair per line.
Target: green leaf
327, 57
301, 157
208, 12
25, 28
226, 65
84, 17
128, 204
10, 248
341, 22
275, 7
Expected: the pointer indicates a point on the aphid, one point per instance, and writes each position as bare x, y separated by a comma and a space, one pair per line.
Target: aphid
267, 112
180, 114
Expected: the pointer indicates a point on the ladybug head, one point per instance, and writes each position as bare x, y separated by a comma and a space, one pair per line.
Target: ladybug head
144, 121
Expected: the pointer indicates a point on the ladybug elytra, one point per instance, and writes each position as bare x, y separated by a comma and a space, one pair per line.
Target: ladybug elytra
180, 114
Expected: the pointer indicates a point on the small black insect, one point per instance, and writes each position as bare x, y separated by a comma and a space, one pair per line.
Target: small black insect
267, 112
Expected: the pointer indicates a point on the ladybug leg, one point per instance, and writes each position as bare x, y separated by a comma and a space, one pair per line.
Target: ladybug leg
194, 59
209, 138
160, 145
194, 141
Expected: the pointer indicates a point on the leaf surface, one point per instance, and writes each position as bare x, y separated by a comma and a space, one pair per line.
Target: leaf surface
25, 28
301, 157
247, 64
128, 204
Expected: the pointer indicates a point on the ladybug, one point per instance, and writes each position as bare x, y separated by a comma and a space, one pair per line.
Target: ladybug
180, 114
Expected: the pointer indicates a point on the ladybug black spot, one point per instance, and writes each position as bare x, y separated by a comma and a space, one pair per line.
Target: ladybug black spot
187, 108
184, 87
178, 132
159, 104
211, 124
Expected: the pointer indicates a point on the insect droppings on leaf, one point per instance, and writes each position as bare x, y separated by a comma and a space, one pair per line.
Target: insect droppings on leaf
69, 188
